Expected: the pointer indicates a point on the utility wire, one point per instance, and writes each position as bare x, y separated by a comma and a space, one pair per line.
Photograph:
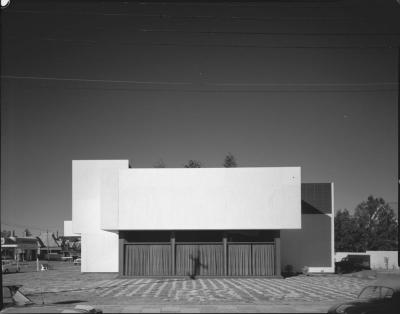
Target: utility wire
252, 4
205, 84
260, 33
205, 45
234, 91
94, 80
306, 19
303, 84
213, 32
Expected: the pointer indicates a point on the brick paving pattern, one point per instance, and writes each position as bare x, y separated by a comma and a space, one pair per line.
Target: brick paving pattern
67, 283
232, 290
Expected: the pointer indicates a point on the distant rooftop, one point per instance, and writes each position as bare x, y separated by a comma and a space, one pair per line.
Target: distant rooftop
48, 239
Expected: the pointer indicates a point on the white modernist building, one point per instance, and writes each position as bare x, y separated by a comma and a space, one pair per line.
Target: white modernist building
203, 221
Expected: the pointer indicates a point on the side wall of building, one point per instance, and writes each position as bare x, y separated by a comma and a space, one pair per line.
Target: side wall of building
312, 245
99, 248
68, 229
102, 204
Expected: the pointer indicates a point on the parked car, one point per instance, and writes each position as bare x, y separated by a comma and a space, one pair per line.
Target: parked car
381, 297
77, 261
352, 263
8, 266
67, 258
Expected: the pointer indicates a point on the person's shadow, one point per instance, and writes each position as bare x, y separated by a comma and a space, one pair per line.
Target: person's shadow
196, 265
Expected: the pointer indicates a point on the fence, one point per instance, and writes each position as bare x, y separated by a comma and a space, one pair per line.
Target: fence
379, 259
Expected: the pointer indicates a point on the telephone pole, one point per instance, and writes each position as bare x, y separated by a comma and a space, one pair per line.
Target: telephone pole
48, 245
1, 275
398, 145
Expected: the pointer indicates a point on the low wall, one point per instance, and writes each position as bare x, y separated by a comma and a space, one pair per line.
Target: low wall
379, 259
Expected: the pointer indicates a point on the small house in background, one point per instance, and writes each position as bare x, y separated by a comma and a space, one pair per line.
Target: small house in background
70, 243
49, 246
19, 248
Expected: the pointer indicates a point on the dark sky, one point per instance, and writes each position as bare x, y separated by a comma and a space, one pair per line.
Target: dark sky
277, 83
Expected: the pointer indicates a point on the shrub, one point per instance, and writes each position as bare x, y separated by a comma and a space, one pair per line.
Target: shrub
305, 270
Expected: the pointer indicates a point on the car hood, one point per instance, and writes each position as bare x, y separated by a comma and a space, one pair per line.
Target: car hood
348, 303
366, 303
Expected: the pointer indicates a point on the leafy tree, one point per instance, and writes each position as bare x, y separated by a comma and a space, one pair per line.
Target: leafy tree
230, 161
193, 164
377, 223
160, 164
373, 226
76, 245
345, 227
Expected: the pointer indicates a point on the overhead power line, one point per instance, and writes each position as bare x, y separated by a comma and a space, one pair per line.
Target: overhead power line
262, 33
203, 45
227, 91
301, 4
247, 33
205, 84
260, 3
94, 80
305, 84
306, 19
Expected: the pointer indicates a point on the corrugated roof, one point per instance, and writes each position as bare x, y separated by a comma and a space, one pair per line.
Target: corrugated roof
48, 239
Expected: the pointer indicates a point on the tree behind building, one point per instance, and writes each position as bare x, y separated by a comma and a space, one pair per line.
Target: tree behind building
193, 164
373, 226
230, 161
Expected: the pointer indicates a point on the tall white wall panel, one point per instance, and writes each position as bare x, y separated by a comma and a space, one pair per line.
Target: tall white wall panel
99, 251
109, 198
92, 193
93, 184
210, 198
68, 229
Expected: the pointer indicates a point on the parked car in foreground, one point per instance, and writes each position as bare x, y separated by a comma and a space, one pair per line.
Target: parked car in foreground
78, 261
383, 296
9, 266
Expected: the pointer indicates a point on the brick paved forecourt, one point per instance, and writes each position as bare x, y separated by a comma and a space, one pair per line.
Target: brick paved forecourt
64, 286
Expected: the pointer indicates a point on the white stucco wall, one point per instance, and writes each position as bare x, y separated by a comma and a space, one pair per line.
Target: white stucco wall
210, 198
88, 179
68, 229
107, 197
90, 195
99, 251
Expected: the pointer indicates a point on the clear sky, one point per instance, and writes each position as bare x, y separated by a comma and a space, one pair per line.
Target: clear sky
281, 83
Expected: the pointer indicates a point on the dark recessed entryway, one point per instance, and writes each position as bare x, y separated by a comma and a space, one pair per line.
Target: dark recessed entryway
200, 253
